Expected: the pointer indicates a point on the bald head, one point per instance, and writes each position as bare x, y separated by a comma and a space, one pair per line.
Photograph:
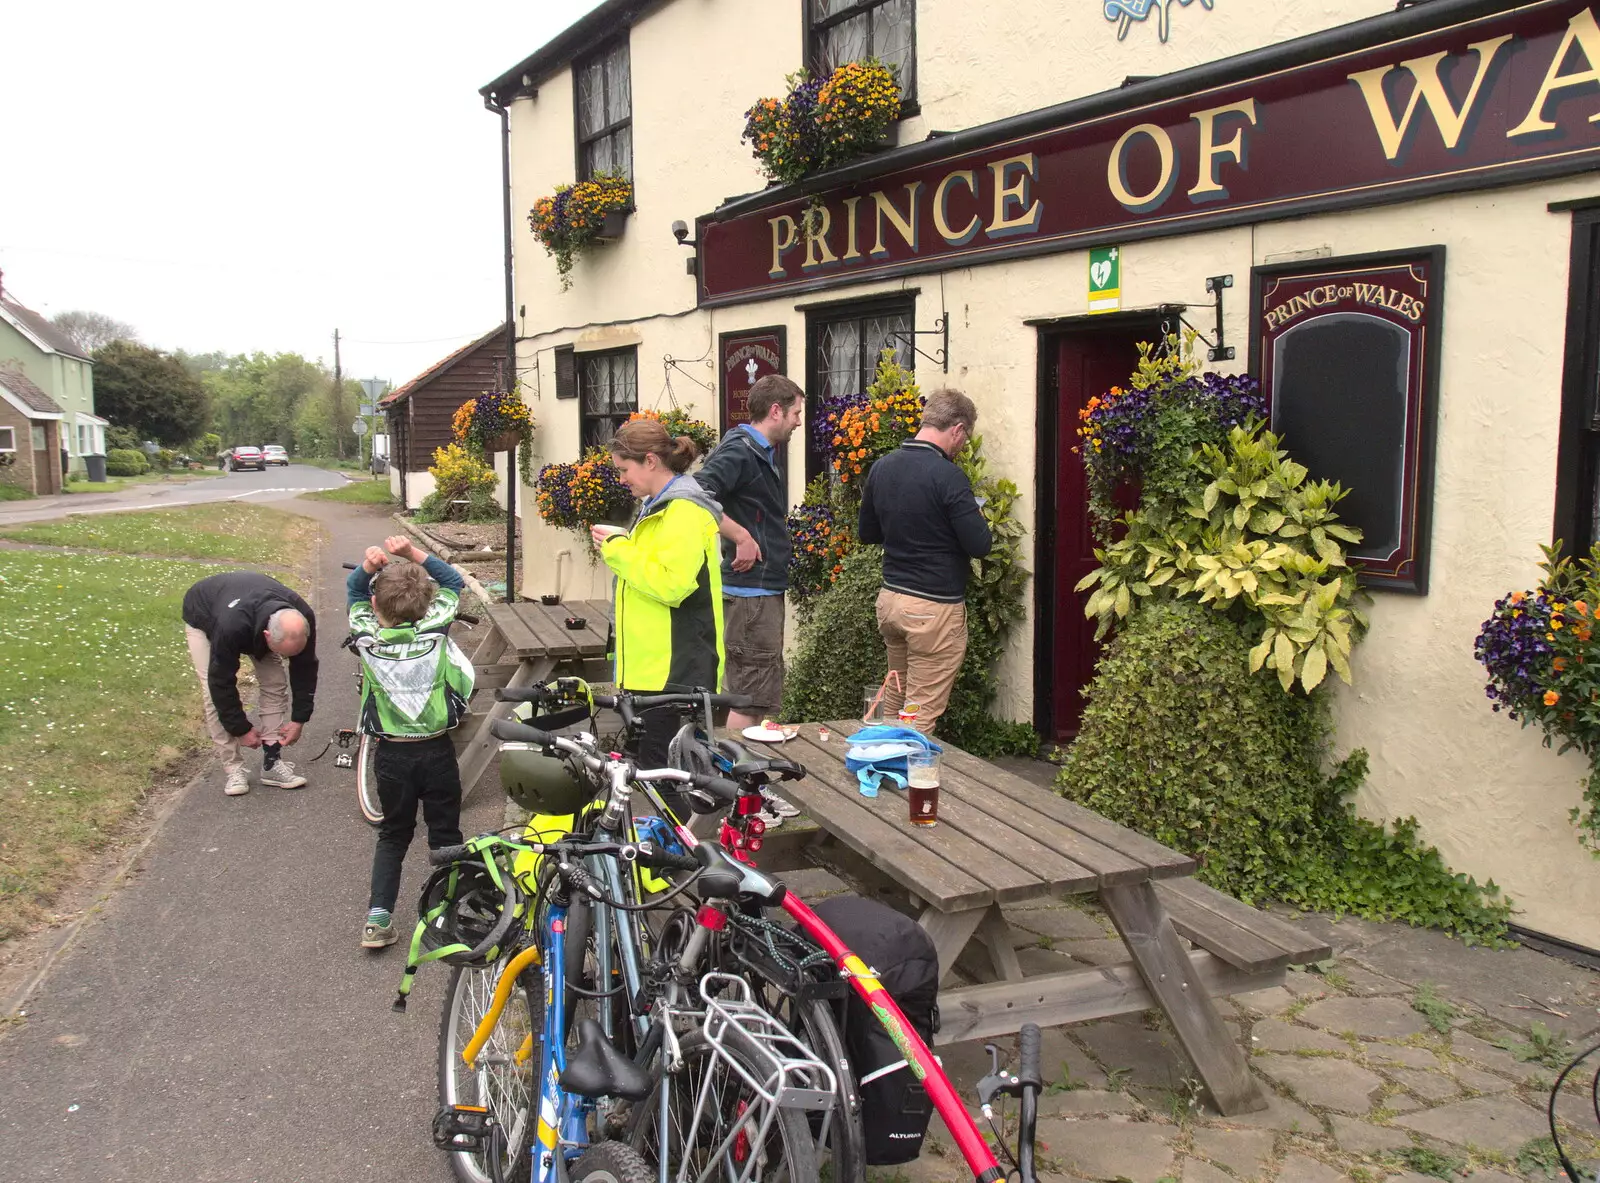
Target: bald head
287, 632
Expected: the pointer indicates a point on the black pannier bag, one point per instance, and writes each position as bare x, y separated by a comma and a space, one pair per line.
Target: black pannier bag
895, 1108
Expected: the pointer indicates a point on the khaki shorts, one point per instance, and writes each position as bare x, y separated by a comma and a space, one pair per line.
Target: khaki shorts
752, 635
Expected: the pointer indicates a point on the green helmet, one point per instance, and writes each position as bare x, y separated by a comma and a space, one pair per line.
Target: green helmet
540, 783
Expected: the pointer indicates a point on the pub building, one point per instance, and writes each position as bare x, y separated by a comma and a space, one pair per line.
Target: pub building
1388, 216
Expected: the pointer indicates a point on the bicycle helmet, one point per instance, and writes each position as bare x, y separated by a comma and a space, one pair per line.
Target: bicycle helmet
468, 909
542, 784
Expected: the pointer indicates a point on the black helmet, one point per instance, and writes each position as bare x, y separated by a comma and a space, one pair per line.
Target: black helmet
468, 910
540, 783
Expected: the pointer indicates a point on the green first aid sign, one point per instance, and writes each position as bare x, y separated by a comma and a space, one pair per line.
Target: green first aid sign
1105, 279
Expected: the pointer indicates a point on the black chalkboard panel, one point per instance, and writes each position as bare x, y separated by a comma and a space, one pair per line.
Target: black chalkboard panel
1347, 352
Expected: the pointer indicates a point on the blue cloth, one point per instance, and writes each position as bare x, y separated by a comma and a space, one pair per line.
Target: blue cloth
768, 448
747, 593
889, 763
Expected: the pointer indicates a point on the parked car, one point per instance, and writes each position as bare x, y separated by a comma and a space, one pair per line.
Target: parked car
244, 456
275, 454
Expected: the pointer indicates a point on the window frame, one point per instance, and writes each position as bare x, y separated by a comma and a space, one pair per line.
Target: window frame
585, 416
7, 429
1578, 446
579, 141
812, 28
837, 312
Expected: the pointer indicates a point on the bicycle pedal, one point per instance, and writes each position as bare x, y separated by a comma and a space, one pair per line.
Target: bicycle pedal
345, 736
463, 1128
344, 760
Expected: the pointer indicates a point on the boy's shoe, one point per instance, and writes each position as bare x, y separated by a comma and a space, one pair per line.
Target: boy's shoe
283, 776
238, 783
769, 816
378, 936
776, 804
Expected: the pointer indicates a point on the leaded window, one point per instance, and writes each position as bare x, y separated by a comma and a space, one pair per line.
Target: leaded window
604, 99
840, 31
608, 387
843, 348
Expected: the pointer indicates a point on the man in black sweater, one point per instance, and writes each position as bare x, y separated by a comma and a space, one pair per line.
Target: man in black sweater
920, 506
239, 614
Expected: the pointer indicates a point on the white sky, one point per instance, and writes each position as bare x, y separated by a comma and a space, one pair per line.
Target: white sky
244, 177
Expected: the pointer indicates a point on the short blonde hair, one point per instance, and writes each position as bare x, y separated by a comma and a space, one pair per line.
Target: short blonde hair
401, 594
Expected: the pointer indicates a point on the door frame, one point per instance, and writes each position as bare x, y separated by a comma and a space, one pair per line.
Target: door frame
1046, 468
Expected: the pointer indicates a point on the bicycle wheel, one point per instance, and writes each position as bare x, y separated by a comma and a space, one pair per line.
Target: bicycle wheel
367, 779
845, 1144
700, 1133
507, 1089
612, 1162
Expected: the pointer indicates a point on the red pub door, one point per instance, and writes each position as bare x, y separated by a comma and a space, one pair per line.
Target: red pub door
1088, 362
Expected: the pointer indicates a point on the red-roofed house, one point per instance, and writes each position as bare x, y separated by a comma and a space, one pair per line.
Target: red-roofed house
30, 433
420, 411
52, 364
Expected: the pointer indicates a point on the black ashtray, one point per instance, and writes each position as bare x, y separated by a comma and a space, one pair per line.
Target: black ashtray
551, 601
577, 622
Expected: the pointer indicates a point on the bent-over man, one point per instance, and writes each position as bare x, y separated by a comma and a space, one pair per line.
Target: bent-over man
244, 614
920, 506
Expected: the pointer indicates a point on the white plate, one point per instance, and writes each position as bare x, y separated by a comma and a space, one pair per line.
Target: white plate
762, 735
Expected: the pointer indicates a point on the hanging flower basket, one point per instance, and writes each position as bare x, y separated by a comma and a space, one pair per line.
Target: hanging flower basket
678, 422
823, 122
497, 421
506, 441
578, 216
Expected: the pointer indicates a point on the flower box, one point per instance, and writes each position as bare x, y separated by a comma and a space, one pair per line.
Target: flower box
611, 229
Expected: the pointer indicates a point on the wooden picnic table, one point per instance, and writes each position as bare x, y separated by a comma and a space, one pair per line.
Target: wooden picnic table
524, 644
1001, 840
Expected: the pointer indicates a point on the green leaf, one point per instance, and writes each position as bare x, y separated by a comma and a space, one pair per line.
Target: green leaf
1258, 655
1090, 579
1314, 669
1283, 655
1209, 501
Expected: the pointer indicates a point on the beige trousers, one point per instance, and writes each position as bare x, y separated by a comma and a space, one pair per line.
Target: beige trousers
271, 676
926, 641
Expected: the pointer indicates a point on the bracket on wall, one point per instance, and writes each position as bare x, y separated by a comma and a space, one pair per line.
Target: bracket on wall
1219, 350
941, 329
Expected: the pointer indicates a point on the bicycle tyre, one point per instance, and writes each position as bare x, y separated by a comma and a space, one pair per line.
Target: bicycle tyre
789, 1138
510, 1092
846, 1143
367, 780
612, 1162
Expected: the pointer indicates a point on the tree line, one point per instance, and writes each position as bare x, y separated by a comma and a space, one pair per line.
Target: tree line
176, 398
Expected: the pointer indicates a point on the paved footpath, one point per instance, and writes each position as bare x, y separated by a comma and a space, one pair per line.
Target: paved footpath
216, 1020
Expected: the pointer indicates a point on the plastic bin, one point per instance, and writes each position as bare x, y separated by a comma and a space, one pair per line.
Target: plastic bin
97, 468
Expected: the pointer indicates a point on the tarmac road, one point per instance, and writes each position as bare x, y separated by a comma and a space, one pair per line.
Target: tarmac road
275, 484
216, 1020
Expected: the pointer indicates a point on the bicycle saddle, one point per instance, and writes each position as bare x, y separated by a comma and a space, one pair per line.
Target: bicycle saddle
743, 764
598, 1069
724, 879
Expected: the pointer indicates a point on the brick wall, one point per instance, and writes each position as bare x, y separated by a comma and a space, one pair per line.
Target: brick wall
20, 473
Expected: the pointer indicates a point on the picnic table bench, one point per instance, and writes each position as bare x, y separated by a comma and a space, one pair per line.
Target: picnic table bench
1001, 840
522, 647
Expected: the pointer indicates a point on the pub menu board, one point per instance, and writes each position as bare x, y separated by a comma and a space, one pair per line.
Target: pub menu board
1347, 351
744, 358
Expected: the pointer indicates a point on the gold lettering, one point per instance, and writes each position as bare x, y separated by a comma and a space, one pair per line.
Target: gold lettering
905, 224
1426, 87
1115, 174
818, 223
1007, 191
850, 204
782, 241
1207, 186
941, 218
1585, 34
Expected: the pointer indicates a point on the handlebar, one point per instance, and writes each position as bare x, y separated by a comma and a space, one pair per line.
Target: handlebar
441, 855
725, 791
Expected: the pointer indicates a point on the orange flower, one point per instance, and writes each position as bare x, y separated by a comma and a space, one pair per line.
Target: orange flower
1580, 607
1551, 698
1559, 664
1518, 597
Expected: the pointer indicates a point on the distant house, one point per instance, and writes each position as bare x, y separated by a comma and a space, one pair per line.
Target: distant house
61, 371
30, 434
420, 412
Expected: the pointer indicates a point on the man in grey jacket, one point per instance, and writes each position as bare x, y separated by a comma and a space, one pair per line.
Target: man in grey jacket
742, 473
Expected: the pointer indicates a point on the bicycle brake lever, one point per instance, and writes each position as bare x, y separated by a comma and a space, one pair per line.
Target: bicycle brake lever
996, 1082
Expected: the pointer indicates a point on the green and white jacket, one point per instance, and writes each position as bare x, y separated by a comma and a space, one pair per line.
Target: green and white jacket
417, 682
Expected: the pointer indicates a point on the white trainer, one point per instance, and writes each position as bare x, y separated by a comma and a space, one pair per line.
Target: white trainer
283, 776
238, 783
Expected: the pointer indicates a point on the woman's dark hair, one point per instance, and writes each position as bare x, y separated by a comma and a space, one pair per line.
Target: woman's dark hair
638, 438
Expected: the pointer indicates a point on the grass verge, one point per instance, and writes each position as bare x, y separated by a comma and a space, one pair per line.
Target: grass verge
354, 469
222, 530
113, 484
14, 493
355, 493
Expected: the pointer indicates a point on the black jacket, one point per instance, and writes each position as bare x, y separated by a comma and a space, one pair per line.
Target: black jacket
232, 609
920, 506
750, 488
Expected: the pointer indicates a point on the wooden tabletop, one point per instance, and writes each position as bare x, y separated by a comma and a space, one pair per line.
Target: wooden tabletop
999, 839
534, 630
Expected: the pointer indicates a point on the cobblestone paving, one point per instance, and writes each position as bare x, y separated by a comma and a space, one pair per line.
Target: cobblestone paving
1405, 1057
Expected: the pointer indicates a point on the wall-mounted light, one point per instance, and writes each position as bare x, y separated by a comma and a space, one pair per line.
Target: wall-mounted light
680, 231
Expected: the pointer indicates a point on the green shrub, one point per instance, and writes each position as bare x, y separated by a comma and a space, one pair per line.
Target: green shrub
1182, 742
126, 462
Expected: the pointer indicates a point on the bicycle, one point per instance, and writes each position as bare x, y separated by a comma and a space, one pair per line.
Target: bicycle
753, 1081
364, 760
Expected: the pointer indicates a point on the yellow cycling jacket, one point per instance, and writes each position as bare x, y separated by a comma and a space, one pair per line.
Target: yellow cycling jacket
669, 593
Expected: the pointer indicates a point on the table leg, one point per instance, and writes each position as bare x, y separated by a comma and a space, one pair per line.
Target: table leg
950, 932
995, 933
1165, 967
474, 757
